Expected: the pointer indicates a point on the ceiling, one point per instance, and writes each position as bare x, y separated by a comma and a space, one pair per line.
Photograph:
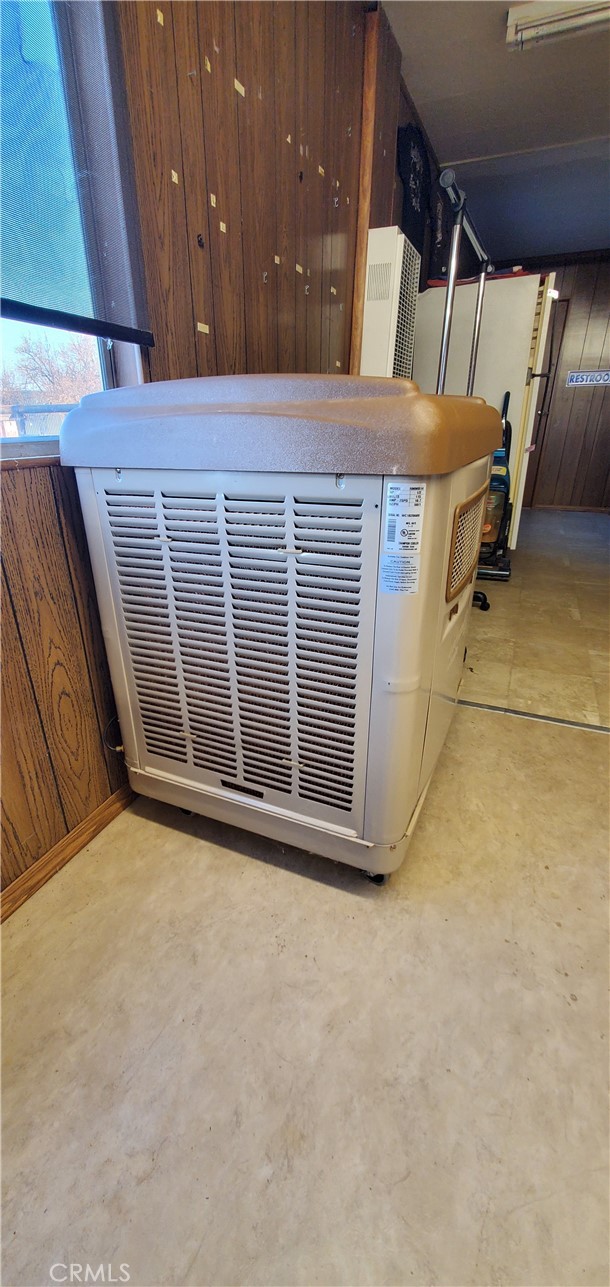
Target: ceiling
526, 131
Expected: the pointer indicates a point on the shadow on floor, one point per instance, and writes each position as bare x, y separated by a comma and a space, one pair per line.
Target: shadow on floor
235, 840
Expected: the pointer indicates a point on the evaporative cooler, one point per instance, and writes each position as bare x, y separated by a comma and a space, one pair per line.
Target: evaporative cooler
283, 567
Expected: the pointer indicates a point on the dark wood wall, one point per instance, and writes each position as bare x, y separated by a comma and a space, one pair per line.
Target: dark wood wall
570, 467
378, 175
246, 122
56, 694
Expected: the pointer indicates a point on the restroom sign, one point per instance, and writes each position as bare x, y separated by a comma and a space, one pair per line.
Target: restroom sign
588, 377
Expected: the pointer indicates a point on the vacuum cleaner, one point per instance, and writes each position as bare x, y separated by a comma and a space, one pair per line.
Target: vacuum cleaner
494, 563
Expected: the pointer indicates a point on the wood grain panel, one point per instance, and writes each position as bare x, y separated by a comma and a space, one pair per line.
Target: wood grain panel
387, 104
256, 135
300, 182
83, 592
32, 816
346, 135
367, 148
330, 166
38, 580
40, 872
149, 58
596, 481
285, 148
188, 79
574, 462
249, 188
351, 167
315, 180
592, 412
579, 316
563, 398
338, 214
218, 76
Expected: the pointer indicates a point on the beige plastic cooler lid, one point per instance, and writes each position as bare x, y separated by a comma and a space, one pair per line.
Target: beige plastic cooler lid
280, 423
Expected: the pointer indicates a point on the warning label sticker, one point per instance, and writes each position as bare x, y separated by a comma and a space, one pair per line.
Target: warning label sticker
404, 517
399, 573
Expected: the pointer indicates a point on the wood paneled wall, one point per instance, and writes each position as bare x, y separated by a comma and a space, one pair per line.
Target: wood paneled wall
378, 174
387, 108
246, 122
56, 693
571, 465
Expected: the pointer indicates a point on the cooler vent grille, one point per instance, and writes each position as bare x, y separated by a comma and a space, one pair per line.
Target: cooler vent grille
148, 624
196, 578
465, 544
243, 618
258, 574
328, 580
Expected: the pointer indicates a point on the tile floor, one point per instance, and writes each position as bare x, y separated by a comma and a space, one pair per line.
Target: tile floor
229, 1062
544, 645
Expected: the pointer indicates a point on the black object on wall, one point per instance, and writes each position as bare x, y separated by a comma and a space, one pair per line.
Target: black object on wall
414, 170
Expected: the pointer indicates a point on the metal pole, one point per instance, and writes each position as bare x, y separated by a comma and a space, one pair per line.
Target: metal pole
478, 313
456, 235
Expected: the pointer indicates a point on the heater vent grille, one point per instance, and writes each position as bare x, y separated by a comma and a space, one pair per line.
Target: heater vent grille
379, 281
407, 305
246, 636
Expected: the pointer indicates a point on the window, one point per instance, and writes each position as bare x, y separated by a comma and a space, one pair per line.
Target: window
45, 371
71, 269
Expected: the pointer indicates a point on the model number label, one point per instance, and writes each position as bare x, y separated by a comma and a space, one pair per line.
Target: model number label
404, 518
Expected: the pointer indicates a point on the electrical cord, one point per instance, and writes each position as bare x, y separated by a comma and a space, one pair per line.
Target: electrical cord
107, 744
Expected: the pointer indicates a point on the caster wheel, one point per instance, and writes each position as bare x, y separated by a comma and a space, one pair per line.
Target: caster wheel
375, 877
188, 813
480, 600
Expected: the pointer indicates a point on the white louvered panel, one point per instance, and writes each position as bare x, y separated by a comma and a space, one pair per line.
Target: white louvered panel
379, 281
407, 306
192, 528
134, 530
248, 629
328, 608
258, 571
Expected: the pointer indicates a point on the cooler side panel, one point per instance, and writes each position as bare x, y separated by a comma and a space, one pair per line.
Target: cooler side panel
408, 590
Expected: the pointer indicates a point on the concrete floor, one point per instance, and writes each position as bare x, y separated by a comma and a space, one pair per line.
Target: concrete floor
544, 645
231, 1063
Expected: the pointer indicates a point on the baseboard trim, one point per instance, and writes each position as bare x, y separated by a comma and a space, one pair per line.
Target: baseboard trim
41, 871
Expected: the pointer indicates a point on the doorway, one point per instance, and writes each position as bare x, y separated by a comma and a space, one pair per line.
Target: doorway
569, 467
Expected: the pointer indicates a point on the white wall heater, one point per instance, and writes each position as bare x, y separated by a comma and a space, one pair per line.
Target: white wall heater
390, 302
283, 566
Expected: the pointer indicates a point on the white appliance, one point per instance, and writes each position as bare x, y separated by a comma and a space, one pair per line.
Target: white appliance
516, 315
392, 285
283, 569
